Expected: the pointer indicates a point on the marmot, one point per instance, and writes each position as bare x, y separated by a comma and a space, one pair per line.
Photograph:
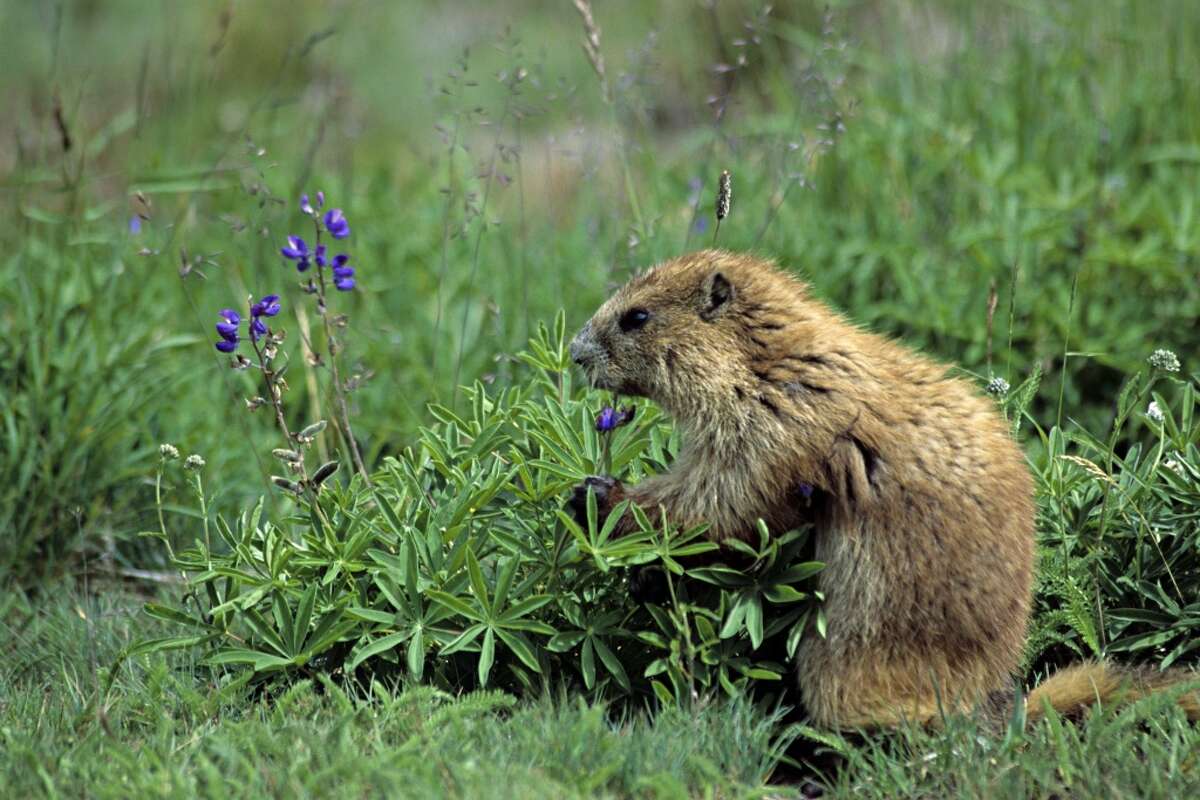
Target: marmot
925, 511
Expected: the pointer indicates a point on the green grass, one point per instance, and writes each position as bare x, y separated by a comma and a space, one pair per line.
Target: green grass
906, 161
68, 728
156, 732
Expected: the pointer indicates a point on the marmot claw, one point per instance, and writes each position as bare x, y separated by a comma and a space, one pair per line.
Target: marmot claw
602, 486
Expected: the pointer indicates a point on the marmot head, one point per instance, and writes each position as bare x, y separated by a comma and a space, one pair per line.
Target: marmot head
687, 333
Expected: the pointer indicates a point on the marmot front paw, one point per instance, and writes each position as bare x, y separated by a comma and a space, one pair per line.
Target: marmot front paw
605, 489
648, 584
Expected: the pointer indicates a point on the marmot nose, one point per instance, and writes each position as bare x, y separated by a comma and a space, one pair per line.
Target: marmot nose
582, 346
577, 353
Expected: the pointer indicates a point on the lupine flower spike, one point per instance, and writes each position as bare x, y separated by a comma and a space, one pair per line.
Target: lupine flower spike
266, 307
343, 273
297, 250
336, 224
611, 418
228, 330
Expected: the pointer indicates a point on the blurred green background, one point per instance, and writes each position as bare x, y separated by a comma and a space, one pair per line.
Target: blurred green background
919, 163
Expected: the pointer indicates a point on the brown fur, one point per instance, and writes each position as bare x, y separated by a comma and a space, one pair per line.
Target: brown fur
927, 523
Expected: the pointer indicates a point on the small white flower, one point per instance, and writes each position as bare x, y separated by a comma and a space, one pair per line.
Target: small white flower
193, 462
1164, 360
998, 387
1154, 412
169, 452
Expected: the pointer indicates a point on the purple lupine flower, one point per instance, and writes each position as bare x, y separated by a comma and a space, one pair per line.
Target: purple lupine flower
297, 250
267, 306
319, 256
228, 330
610, 418
336, 224
343, 273
135, 224
308, 208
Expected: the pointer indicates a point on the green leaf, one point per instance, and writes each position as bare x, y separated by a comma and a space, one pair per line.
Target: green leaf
487, 654
264, 630
587, 664
754, 621
416, 653
783, 594
737, 615
464, 639
167, 643
562, 642
523, 649
380, 645
260, 661
303, 617
455, 604
612, 663
508, 568
174, 615
371, 615
526, 606
478, 586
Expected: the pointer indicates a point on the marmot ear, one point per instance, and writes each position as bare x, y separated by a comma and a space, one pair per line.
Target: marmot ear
716, 296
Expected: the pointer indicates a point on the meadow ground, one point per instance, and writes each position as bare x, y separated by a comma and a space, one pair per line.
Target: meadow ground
1011, 188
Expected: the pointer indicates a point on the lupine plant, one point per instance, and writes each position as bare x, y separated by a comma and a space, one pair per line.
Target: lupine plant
335, 270
459, 566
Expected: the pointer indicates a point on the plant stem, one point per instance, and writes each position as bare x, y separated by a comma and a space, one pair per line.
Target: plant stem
339, 398
204, 513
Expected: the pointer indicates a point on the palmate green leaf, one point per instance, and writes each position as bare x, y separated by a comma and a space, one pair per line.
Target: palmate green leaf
265, 632
1142, 641
737, 616
371, 615
508, 568
465, 639
487, 656
174, 615
166, 643
587, 664
783, 594
525, 607
754, 620
303, 617
416, 653
387, 586
517, 643
612, 663
1188, 644
455, 604
565, 641
333, 627
795, 633
284, 621
261, 662
380, 645
478, 586
799, 572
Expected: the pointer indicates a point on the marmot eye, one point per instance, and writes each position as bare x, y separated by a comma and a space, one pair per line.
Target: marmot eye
633, 319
